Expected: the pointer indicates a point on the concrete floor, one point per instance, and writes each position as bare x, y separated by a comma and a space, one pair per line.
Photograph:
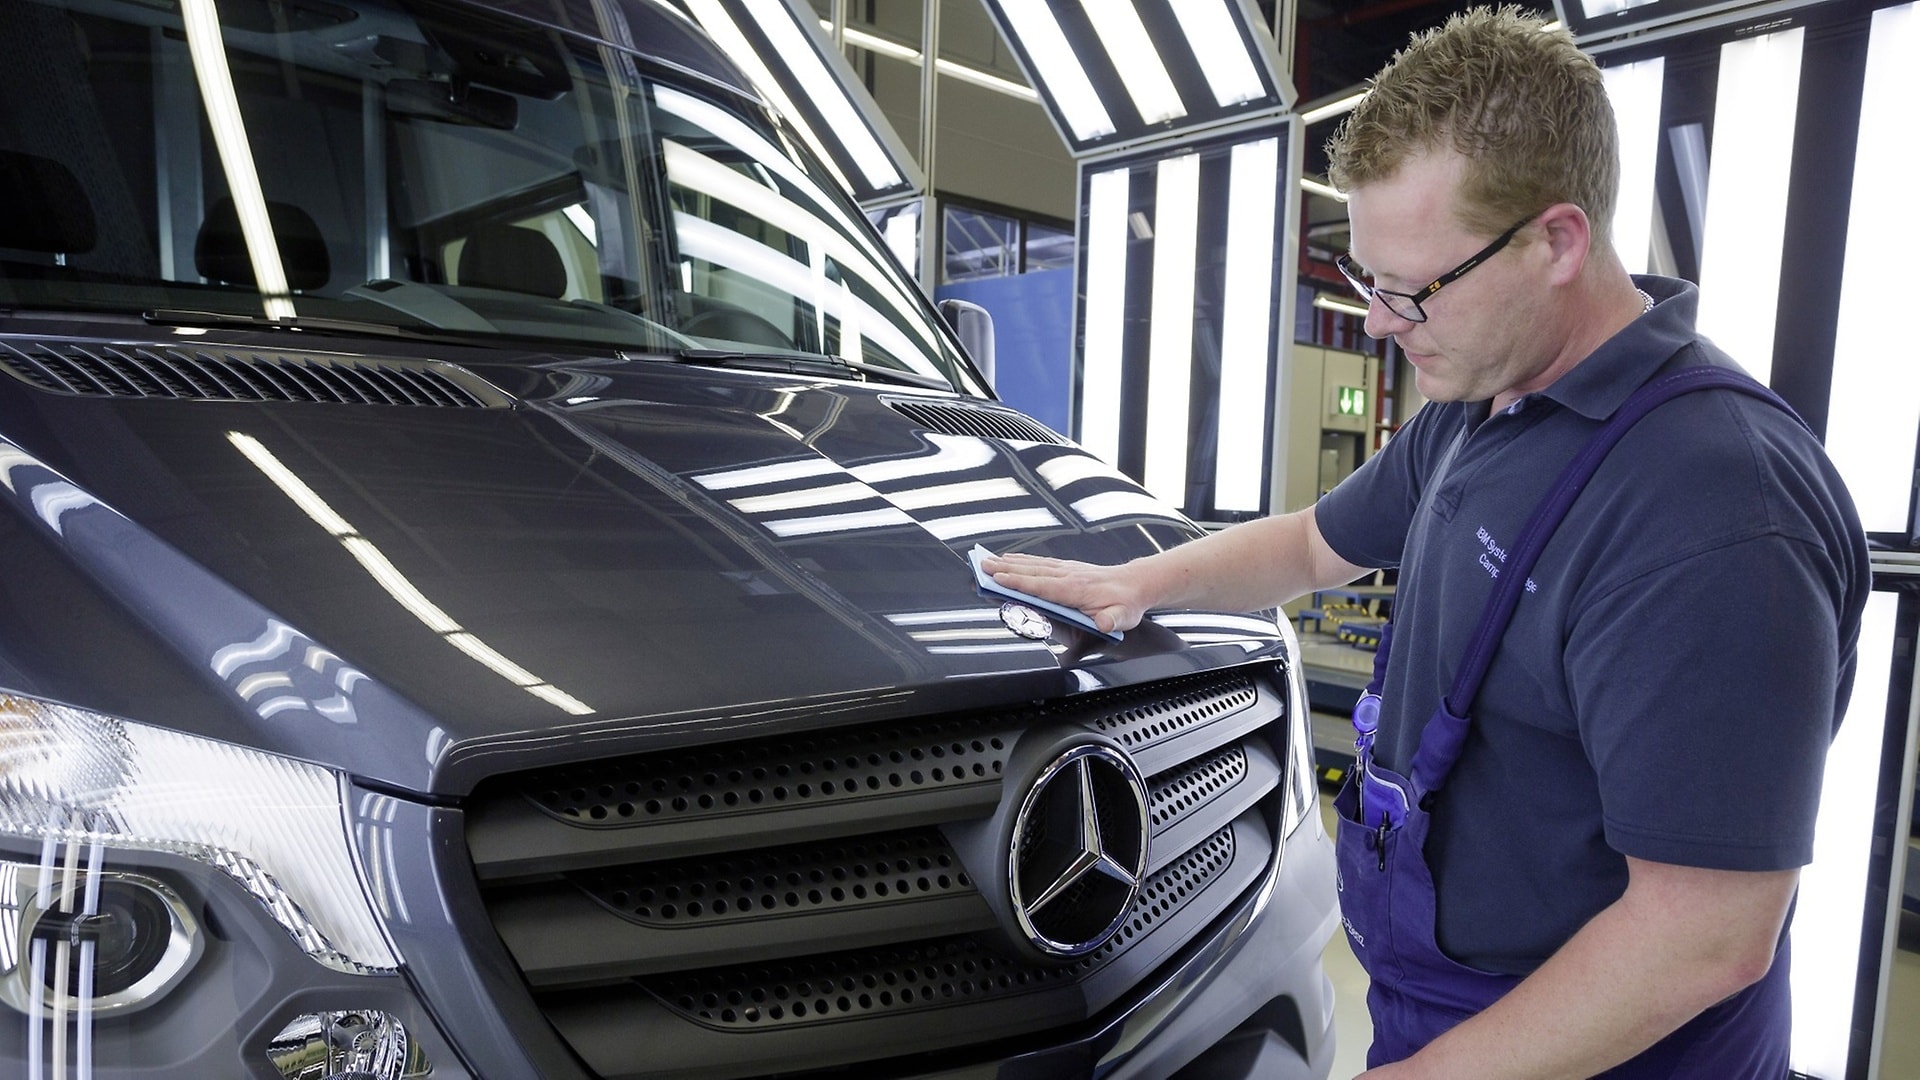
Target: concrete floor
1900, 1045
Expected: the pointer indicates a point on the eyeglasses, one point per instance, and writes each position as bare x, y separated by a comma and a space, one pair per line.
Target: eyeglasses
1407, 305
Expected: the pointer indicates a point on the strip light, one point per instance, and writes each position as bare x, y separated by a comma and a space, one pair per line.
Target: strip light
1635, 91
1117, 24
202, 23
720, 26
1208, 26
1170, 337
1104, 336
888, 47
1832, 898
1324, 190
1246, 325
1875, 407
1752, 160
1056, 66
797, 51
1340, 106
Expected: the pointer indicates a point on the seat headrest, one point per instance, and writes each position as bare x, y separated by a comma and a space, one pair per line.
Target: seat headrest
46, 208
220, 252
515, 259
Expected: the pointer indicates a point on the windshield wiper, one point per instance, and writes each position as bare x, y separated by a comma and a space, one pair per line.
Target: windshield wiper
809, 364
180, 317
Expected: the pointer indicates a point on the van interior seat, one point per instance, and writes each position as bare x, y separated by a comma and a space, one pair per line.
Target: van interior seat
220, 251
47, 209
508, 257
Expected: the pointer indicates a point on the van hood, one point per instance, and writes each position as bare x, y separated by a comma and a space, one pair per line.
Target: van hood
627, 552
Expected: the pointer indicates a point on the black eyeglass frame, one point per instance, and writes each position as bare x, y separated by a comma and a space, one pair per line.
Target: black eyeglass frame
1368, 292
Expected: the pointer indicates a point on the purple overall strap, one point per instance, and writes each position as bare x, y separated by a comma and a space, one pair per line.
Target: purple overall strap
1446, 734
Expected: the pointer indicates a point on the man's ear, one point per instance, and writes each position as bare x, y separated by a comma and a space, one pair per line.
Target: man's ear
1569, 240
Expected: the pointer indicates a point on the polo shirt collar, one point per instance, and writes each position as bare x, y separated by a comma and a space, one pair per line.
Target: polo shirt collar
1603, 381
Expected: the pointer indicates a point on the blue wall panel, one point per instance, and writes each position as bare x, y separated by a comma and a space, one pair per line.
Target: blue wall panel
1033, 339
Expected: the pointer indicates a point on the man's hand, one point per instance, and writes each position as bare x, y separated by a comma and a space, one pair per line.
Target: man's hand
1112, 596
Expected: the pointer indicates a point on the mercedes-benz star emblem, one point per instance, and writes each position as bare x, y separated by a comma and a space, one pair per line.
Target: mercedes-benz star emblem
1079, 850
1025, 621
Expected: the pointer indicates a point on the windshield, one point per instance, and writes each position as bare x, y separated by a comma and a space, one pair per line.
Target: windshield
421, 166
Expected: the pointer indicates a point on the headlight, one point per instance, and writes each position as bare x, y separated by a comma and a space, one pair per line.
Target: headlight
1303, 788
276, 826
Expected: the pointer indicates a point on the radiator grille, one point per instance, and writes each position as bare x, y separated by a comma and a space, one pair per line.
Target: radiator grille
663, 908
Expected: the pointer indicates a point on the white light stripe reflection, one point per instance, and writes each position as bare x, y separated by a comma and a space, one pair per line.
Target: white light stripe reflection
992, 633
955, 528
1105, 333
1058, 68
1746, 223
866, 519
1874, 409
1208, 27
1832, 898
1635, 91
797, 51
978, 650
731, 129
956, 494
389, 577
201, 20
698, 172
1215, 621
1073, 468
1344, 307
955, 453
766, 474
1117, 24
584, 222
799, 500
721, 28
930, 618
1246, 327
1170, 335
1113, 504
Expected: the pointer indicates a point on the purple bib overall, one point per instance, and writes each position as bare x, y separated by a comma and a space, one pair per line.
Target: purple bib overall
1387, 899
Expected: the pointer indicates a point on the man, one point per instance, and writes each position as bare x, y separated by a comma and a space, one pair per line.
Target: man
1614, 855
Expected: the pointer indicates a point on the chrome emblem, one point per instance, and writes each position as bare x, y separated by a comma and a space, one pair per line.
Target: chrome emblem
1079, 850
1025, 621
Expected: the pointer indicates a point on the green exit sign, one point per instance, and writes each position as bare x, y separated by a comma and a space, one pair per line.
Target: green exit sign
1353, 401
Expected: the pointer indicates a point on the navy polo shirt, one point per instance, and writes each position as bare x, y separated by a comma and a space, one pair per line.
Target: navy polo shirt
1678, 662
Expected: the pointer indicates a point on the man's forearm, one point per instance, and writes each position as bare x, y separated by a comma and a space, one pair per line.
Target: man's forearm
1634, 974
1259, 564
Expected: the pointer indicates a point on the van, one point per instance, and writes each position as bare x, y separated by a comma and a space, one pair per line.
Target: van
484, 592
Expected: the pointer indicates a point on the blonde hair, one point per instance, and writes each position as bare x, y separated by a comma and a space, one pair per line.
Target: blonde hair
1524, 106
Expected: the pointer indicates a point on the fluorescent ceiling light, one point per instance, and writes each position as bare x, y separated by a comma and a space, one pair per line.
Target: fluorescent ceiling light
1827, 912
1337, 107
202, 23
1056, 66
1875, 405
1104, 334
1170, 334
1230, 71
1635, 91
1117, 24
888, 47
1322, 189
1246, 325
720, 26
1345, 307
1752, 159
797, 50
